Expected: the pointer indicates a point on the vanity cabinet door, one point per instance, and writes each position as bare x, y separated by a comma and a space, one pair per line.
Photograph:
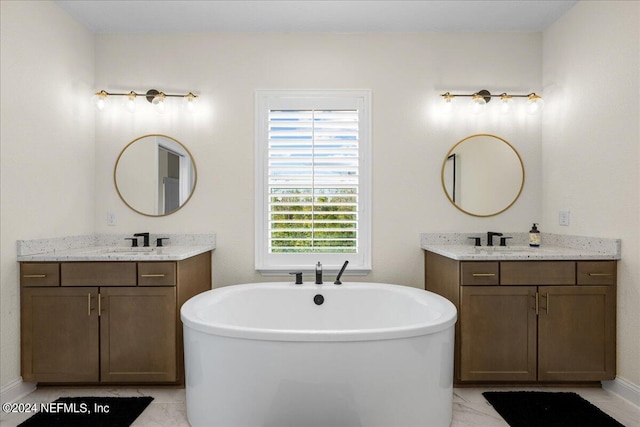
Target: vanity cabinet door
138, 334
498, 333
576, 333
59, 333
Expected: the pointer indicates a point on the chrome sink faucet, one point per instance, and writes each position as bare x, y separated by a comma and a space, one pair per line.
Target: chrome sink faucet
490, 236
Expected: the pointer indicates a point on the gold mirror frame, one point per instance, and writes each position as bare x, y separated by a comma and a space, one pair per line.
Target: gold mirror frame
193, 164
451, 152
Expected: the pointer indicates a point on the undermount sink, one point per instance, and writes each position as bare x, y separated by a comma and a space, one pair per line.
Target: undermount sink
505, 249
514, 249
129, 251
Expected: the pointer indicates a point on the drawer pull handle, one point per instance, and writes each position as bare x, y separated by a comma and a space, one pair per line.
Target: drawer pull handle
152, 275
34, 276
89, 305
600, 274
483, 274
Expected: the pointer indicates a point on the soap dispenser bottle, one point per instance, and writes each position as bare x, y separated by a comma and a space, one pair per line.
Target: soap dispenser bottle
534, 236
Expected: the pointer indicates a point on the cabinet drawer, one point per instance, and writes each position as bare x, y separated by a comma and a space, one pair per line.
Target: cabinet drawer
98, 273
40, 274
479, 273
156, 274
537, 273
596, 273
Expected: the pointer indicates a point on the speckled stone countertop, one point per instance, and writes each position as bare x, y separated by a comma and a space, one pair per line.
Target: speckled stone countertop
107, 247
459, 246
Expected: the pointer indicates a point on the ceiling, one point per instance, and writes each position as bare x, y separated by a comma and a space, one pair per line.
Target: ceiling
169, 16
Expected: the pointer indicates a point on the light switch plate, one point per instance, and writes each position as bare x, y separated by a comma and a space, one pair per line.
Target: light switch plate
111, 218
564, 217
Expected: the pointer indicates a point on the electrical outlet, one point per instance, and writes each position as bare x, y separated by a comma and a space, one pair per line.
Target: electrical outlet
111, 218
564, 217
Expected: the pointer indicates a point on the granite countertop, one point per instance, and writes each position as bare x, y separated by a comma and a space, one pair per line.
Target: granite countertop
508, 253
111, 248
105, 253
554, 247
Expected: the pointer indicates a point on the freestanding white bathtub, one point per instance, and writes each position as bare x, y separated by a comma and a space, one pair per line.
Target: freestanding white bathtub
273, 354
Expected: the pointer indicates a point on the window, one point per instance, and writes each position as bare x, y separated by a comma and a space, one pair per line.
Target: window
313, 180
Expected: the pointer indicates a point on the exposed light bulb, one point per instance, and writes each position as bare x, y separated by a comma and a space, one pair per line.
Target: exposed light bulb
506, 101
447, 103
130, 102
536, 103
159, 103
189, 102
101, 100
477, 104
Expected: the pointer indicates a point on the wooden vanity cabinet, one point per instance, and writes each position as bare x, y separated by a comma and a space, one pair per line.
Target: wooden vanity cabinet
529, 321
122, 327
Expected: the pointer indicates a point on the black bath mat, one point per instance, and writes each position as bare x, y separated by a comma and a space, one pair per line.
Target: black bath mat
544, 409
90, 412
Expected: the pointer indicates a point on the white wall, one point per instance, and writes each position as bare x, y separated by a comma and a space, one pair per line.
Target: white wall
591, 138
405, 72
47, 149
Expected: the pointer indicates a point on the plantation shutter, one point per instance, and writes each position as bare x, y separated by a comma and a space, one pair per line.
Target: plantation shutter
313, 181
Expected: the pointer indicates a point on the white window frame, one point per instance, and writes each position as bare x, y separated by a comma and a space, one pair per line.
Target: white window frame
274, 263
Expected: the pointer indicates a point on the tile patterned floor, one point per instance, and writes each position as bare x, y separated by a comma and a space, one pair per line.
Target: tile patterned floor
470, 409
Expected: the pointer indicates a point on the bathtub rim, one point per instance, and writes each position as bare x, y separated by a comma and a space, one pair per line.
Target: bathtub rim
447, 319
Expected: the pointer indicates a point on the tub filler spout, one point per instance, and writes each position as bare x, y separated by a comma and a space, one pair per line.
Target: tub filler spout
338, 282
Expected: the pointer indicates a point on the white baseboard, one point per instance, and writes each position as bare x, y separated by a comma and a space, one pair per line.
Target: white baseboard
624, 388
15, 390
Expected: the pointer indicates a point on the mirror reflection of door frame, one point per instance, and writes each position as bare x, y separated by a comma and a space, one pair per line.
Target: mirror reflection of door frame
452, 181
184, 176
171, 201
186, 179
168, 180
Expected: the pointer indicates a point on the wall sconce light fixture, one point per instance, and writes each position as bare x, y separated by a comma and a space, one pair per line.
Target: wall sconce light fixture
158, 99
480, 99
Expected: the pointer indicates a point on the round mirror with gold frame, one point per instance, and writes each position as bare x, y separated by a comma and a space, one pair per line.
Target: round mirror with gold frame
483, 175
155, 175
